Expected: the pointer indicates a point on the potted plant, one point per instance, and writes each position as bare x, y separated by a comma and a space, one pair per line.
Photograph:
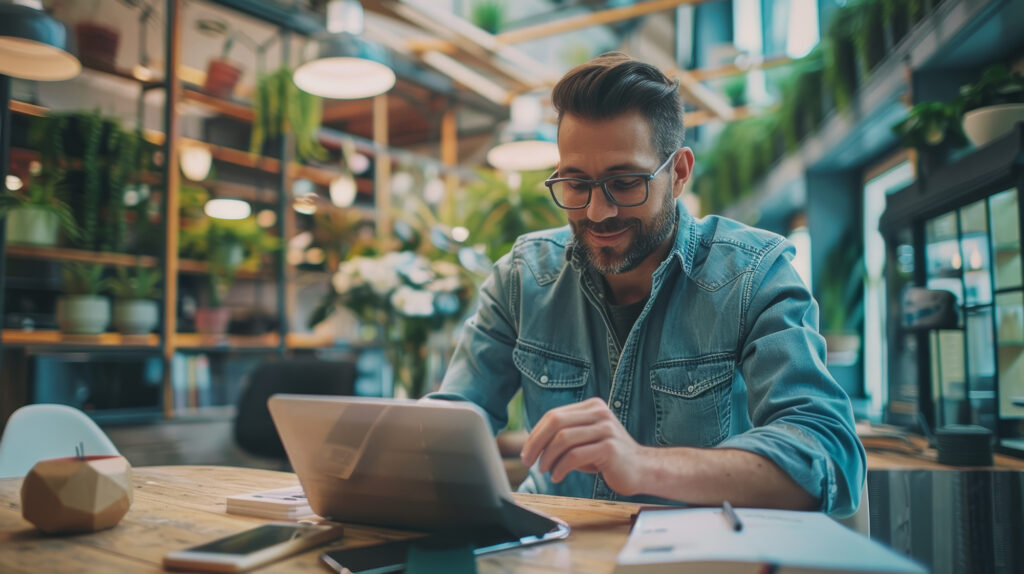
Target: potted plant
933, 129
136, 311
221, 73
227, 246
36, 215
82, 310
992, 106
96, 41
298, 112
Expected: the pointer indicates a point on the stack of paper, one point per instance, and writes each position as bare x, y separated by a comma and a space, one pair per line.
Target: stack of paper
703, 540
281, 504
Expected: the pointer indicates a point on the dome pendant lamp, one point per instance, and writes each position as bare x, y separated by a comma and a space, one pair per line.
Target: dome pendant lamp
347, 67
33, 45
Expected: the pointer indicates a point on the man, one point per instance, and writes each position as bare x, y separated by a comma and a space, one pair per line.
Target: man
660, 357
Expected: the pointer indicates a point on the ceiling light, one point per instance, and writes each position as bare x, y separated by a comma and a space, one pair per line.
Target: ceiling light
347, 67
33, 45
304, 205
13, 182
227, 209
266, 218
195, 160
527, 143
343, 190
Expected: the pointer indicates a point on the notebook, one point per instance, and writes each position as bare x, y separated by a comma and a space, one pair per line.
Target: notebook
778, 541
279, 504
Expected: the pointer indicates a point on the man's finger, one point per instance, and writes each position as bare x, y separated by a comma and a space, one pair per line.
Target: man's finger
555, 420
586, 458
566, 439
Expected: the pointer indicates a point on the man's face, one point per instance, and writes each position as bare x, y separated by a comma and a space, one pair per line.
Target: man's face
616, 239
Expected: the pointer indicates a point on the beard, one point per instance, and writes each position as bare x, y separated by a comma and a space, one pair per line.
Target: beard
647, 239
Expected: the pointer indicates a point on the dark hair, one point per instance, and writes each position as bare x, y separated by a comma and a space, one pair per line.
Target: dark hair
612, 84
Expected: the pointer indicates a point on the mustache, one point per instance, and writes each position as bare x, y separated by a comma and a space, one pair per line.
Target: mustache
607, 226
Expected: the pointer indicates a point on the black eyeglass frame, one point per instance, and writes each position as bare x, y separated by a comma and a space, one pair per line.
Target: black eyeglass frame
647, 177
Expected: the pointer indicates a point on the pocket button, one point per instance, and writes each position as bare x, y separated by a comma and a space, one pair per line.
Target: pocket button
617, 404
689, 389
544, 379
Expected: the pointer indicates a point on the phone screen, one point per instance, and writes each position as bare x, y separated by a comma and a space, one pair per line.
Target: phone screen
253, 540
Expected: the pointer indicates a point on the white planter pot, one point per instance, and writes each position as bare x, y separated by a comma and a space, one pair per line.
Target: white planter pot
136, 316
32, 226
83, 314
984, 125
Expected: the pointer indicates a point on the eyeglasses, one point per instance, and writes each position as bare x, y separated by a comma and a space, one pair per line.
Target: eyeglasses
622, 189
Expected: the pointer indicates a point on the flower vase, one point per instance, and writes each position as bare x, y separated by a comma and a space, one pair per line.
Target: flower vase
409, 369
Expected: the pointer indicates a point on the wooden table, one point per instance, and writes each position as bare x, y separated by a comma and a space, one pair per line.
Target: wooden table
177, 507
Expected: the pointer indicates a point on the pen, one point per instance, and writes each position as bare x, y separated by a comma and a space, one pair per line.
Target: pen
730, 516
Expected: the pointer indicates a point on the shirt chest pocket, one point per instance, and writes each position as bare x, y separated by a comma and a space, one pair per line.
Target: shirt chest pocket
549, 381
692, 400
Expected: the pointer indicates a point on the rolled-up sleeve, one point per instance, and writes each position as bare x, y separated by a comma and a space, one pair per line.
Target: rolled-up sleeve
802, 419
481, 369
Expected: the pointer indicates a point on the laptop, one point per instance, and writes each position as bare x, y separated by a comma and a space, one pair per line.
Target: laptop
430, 466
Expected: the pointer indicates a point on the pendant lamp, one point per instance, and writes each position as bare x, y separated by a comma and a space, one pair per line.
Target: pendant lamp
347, 67
33, 45
527, 143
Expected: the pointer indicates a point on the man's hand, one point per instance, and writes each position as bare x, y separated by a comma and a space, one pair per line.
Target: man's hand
586, 437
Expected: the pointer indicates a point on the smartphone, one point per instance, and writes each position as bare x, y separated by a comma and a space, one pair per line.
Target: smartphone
390, 557
254, 547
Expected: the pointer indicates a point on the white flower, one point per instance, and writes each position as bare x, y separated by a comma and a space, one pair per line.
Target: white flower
341, 281
413, 302
446, 285
445, 268
382, 278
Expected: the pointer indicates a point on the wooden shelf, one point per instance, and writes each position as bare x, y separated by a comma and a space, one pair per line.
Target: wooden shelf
27, 109
195, 267
197, 341
237, 110
308, 341
113, 71
319, 175
233, 190
81, 255
17, 337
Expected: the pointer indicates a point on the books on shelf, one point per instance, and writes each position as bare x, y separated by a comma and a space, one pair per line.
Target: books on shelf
704, 540
279, 504
191, 381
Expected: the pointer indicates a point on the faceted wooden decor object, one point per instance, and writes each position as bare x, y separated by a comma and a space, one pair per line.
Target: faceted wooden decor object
77, 494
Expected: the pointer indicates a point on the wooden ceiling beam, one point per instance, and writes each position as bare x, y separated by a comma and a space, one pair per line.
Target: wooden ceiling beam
598, 18
706, 74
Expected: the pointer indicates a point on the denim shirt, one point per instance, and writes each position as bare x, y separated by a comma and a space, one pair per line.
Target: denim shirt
725, 354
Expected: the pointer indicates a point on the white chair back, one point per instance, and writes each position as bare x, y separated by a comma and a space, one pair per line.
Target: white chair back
42, 431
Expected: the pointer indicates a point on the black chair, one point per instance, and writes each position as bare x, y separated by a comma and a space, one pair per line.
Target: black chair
254, 429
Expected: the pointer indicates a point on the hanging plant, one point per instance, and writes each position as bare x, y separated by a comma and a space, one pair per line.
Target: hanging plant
92, 135
279, 107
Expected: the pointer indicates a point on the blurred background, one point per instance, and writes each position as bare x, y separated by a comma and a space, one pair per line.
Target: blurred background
199, 189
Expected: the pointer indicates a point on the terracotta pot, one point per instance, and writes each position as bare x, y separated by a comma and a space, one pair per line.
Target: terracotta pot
97, 43
212, 320
221, 78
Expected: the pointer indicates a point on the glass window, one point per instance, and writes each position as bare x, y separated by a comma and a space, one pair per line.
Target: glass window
1005, 219
942, 253
974, 249
1010, 344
